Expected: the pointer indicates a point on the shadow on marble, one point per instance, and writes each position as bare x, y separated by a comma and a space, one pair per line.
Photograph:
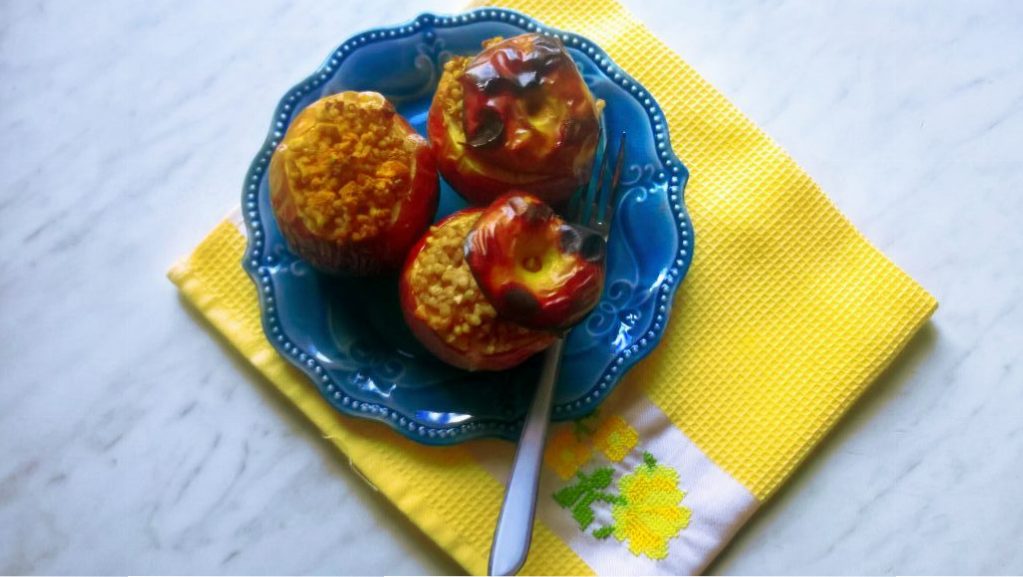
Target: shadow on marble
334, 460
890, 384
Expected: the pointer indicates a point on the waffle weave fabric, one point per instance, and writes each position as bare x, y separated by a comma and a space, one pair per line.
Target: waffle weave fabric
785, 318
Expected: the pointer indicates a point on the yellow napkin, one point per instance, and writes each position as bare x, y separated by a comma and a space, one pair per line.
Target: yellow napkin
786, 316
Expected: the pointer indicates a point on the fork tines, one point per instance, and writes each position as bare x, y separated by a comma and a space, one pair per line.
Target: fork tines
593, 205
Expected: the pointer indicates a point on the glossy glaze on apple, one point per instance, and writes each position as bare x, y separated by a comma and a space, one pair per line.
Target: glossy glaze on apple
448, 312
518, 115
535, 269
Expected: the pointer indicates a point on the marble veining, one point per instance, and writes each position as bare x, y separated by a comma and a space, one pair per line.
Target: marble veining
134, 441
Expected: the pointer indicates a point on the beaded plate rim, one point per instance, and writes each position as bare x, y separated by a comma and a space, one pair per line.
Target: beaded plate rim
256, 262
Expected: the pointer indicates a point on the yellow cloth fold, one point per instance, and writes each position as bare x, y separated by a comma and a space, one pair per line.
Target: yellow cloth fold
786, 316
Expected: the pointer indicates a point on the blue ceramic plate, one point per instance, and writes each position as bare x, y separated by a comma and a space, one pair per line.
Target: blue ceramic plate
349, 336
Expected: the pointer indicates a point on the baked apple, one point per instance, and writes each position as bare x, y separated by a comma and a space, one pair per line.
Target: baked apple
534, 268
352, 185
516, 116
448, 313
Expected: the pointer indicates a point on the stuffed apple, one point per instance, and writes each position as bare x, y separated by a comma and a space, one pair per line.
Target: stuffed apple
448, 312
352, 185
516, 116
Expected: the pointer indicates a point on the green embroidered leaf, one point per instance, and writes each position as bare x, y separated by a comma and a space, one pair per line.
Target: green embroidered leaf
567, 496
604, 532
583, 514
579, 498
601, 478
649, 460
610, 498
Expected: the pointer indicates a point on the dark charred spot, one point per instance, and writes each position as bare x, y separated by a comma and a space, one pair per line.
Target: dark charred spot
593, 247
521, 301
493, 84
489, 129
509, 68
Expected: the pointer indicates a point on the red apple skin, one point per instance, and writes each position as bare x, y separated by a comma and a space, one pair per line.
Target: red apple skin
527, 91
418, 208
519, 231
473, 359
380, 253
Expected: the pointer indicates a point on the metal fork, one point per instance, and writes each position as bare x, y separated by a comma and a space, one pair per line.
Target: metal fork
592, 207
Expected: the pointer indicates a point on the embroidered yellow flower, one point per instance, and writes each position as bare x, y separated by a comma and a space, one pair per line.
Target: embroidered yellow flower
649, 513
566, 453
615, 438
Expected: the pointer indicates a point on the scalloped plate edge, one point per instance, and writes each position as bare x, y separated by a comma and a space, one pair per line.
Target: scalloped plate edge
677, 173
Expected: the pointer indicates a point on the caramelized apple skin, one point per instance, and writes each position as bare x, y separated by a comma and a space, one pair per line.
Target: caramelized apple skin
447, 312
535, 269
517, 116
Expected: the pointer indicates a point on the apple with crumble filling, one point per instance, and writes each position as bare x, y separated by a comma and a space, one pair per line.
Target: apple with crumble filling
352, 185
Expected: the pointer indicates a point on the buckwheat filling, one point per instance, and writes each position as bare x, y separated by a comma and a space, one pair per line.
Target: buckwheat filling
450, 302
348, 167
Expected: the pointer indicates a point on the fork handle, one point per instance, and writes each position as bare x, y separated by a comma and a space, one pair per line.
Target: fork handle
515, 525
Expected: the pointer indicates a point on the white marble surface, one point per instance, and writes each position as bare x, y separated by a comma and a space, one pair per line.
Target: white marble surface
132, 441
